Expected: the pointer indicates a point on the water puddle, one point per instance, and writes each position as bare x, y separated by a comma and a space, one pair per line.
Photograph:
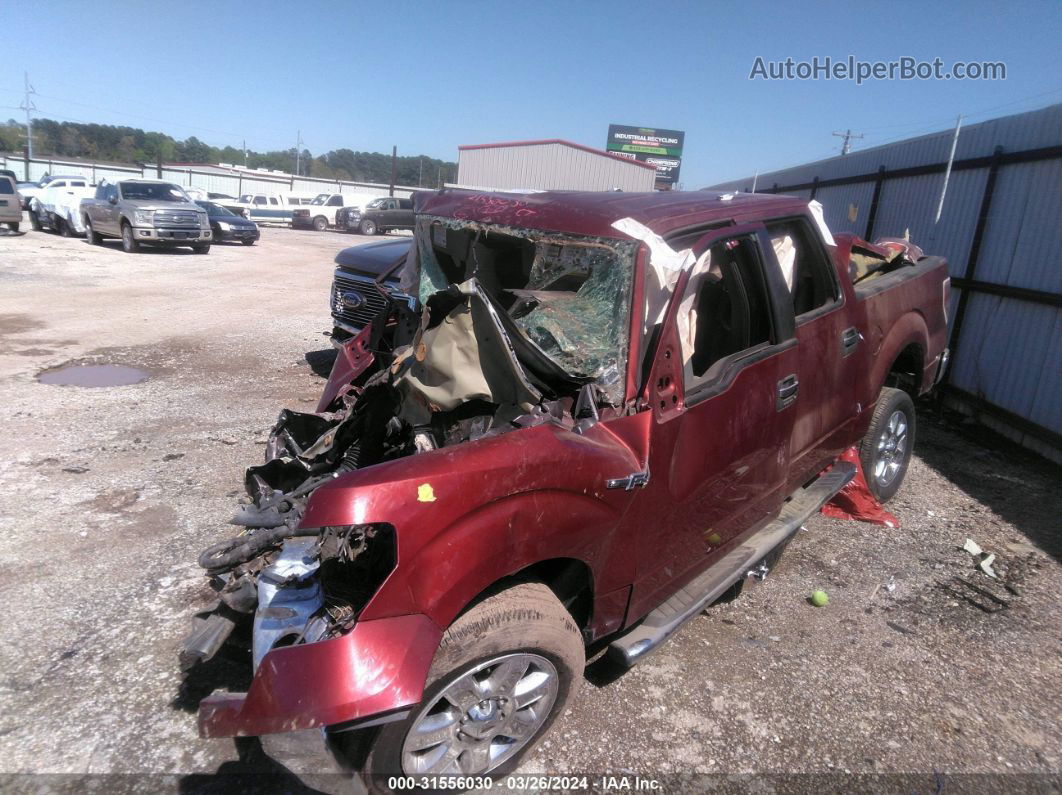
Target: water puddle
93, 375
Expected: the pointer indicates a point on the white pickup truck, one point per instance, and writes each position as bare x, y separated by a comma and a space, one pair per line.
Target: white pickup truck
321, 212
57, 206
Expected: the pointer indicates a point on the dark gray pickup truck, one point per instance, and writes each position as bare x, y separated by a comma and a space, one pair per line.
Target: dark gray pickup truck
377, 217
146, 212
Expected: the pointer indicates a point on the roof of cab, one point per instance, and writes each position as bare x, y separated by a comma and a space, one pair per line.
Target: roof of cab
593, 213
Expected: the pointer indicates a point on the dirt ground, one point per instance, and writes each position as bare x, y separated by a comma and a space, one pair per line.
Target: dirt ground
109, 494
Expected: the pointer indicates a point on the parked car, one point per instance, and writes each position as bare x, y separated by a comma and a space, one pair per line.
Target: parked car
227, 226
28, 192
612, 410
321, 213
57, 206
272, 208
366, 279
10, 203
146, 212
377, 217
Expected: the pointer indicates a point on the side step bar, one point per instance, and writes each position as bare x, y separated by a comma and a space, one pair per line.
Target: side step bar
662, 622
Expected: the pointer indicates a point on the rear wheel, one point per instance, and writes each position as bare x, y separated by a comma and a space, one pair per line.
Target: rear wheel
320, 223
129, 244
503, 672
93, 238
63, 227
14, 226
367, 227
885, 451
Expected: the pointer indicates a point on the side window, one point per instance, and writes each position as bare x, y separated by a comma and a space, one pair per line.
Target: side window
335, 201
804, 265
78, 183
725, 309
292, 200
58, 183
261, 200
273, 200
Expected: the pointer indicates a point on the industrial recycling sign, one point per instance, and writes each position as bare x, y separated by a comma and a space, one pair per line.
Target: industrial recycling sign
660, 148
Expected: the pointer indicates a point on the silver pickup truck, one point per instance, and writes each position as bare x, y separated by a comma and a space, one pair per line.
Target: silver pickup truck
146, 212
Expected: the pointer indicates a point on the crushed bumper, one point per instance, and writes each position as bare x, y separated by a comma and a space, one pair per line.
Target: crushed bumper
378, 666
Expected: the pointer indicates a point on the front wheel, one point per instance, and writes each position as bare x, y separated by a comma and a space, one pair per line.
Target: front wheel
502, 674
320, 223
129, 244
201, 248
93, 237
885, 451
367, 227
247, 242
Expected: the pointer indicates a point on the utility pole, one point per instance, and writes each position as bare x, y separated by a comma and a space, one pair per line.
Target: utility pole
27, 105
298, 152
394, 169
420, 179
848, 135
245, 153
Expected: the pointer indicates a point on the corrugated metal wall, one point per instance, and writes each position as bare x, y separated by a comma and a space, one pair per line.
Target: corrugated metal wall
1006, 307
549, 166
209, 178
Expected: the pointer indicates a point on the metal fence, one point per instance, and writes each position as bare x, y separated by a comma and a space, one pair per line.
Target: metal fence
232, 181
1001, 234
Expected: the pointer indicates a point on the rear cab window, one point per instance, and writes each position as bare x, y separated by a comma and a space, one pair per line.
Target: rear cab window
804, 264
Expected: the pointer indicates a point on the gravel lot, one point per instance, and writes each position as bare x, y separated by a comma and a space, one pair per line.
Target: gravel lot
109, 495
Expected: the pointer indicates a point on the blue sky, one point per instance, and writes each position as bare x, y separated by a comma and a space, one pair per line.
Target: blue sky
429, 76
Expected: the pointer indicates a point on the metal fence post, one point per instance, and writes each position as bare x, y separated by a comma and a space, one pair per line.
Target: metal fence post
873, 214
814, 188
975, 252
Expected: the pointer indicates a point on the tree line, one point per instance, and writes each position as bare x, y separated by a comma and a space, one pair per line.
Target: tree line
110, 143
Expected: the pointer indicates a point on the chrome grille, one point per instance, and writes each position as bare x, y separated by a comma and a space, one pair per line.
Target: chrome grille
363, 293
174, 218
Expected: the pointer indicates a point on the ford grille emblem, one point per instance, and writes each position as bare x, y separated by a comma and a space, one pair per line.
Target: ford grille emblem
352, 300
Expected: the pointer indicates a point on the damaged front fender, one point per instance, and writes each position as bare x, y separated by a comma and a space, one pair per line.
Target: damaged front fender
379, 666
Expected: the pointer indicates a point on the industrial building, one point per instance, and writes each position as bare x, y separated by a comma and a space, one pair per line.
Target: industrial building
549, 165
998, 228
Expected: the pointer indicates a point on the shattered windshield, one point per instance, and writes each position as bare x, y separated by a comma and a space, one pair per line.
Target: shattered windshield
569, 294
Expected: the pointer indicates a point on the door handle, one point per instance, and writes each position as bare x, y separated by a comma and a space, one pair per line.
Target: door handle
850, 338
787, 392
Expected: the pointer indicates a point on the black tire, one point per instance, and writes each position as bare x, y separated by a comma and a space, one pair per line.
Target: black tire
201, 248
320, 223
367, 227
247, 242
885, 451
14, 226
129, 243
524, 618
90, 234
63, 227
35, 221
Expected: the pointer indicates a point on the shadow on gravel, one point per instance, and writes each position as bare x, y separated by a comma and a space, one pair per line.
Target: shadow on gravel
255, 771
321, 361
220, 673
1013, 482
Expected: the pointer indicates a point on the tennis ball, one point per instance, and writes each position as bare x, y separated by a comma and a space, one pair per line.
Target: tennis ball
819, 598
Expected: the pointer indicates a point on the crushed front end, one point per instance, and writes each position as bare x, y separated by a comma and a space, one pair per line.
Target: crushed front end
519, 328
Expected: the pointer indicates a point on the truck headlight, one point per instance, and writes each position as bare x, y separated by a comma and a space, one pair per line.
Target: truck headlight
143, 217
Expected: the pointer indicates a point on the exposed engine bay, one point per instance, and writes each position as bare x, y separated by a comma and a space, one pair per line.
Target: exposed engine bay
518, 328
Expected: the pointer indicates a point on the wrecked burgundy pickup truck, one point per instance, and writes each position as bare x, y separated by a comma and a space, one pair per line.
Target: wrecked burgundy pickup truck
611, 410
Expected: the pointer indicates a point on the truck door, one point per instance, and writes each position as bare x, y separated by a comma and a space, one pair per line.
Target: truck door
111, 215
828, 343
722, 389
